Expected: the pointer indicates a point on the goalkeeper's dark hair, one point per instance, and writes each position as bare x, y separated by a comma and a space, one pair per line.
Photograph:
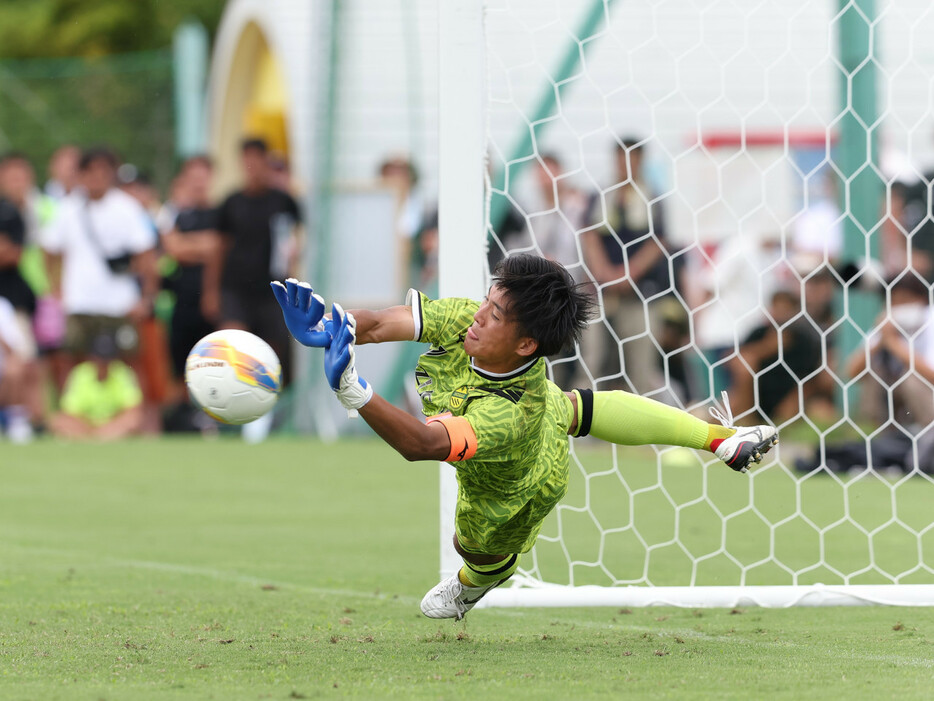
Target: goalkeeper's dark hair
545, 301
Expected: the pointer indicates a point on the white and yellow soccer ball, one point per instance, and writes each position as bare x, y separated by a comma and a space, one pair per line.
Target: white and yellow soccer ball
233, 376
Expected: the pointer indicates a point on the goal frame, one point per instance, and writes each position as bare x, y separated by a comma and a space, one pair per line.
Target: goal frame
463, 213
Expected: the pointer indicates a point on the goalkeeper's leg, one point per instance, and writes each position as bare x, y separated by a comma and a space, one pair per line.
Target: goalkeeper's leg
628, 419
459, 593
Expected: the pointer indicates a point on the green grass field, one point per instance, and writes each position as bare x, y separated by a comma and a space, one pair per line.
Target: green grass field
215, 570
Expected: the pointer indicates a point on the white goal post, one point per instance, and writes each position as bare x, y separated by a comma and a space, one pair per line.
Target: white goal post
461, 163
662, 526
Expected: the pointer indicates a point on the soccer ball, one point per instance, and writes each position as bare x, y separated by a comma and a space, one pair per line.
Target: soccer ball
233, 376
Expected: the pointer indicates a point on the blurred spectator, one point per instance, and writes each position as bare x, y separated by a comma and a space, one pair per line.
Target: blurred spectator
900, 355
18, 184
137, 185
21, 279
17, 378
12, 285
280, 174
507, 223
910, 242
63, 171
153, 358
194, 244
817, 232
624, 248
398, 174
775, 368
165, 217
49, 319
558, 215
555, 219
729, 287
102, 399
194, 241
103, 261
426, 253
674, 339
258, 226
820, 291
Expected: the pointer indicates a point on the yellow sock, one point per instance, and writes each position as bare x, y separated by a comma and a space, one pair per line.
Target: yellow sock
628, 419
716, 434
481, 575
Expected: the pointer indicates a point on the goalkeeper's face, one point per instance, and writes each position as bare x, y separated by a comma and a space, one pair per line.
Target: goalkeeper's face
494, 340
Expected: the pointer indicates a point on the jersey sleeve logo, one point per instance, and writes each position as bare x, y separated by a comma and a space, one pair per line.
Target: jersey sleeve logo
458, 397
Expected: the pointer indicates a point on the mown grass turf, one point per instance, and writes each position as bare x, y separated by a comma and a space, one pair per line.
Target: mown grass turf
193, 570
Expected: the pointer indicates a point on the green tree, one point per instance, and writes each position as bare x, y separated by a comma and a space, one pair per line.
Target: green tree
59, 28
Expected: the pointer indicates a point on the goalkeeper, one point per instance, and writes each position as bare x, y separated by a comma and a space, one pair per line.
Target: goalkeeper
492, 413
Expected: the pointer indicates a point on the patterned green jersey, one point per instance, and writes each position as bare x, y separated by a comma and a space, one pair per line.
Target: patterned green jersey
519, 471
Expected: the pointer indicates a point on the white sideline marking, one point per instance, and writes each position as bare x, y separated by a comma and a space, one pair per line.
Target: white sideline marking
620, 627
99, 560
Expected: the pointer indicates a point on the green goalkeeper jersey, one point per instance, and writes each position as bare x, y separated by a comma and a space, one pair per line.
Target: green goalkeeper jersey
519, 422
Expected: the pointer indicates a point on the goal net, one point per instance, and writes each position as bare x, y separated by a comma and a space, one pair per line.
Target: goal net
745, 189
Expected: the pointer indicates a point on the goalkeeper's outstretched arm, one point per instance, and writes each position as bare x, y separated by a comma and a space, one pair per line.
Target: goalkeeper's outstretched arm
383, 325
411, 438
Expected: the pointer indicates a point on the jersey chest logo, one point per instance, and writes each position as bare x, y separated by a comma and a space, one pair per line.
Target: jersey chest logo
458, 397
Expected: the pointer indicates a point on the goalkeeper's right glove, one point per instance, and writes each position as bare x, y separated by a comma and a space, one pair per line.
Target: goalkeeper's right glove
303, 311
352, 391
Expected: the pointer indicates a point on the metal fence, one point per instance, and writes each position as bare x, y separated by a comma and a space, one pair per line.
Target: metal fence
124, 101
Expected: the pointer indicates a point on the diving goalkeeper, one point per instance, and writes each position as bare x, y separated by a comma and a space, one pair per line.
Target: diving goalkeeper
492, 413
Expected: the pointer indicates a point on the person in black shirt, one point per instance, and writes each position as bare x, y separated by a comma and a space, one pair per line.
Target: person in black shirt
21, 298
12, 238
624, 246
911, 202
195, 245
777, 375
258, 228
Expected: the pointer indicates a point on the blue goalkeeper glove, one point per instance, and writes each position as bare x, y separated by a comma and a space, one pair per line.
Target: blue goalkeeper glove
303, 311
352, 391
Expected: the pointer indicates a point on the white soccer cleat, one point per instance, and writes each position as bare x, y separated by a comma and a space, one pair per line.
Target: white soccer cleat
452, 599
747, 445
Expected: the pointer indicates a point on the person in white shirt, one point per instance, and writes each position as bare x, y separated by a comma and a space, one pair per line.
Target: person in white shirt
16, 376
730, 288
557, 216
817, 232
63, 172
102, 257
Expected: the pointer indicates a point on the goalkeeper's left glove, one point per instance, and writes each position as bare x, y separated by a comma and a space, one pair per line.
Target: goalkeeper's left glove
302, 310
352, 391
